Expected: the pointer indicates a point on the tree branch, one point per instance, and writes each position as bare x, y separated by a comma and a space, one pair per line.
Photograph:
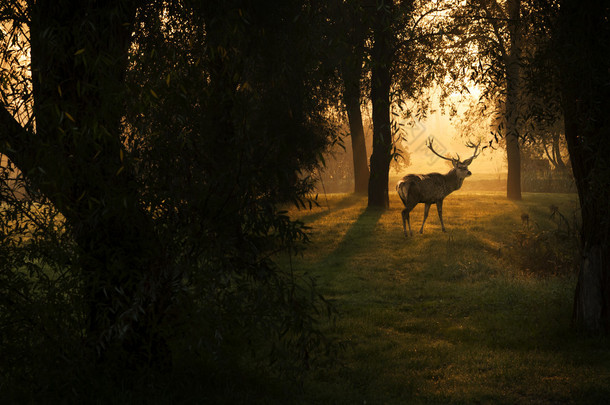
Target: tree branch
13, 138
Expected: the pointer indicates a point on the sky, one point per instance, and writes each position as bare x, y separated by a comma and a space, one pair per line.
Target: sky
447, 140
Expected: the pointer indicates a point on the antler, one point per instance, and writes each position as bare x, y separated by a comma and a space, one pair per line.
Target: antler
429, 145
476, 149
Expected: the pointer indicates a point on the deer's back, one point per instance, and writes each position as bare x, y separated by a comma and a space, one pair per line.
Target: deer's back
425, 188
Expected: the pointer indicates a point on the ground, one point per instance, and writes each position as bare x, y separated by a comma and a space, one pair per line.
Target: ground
479, 314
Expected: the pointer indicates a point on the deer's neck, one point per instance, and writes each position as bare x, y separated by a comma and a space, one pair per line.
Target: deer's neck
453, 181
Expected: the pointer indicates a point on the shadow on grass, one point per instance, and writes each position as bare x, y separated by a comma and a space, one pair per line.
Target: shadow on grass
326, 208
358, 236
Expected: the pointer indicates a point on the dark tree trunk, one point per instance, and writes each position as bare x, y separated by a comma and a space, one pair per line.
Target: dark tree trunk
583, 38
352, 72
591, 312
554, 156
513, 156
513, 153
557, 159
381, 81
79, 55
355, 28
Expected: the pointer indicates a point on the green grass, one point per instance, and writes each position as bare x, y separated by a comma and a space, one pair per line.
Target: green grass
447, 317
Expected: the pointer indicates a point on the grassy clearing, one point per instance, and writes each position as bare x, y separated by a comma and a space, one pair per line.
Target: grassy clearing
448, 317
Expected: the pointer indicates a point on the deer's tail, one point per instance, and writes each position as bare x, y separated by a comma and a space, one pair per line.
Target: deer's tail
402, 188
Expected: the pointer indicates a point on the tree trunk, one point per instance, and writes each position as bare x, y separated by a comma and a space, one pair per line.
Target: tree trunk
592, 296
352, 71
76, 159
584, 35
513, 156
355, 28
513, 153
590, 299
558, 160
381, 59
554, 156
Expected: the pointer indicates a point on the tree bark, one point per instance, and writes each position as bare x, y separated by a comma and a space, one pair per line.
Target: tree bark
513, 156
381, 81
583, 37
513, 153
557, 159
79, 52
554, 156
352, 72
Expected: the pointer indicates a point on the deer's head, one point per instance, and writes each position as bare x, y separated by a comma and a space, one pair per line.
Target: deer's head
460, 166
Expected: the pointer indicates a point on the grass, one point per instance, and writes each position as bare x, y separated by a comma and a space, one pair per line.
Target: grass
450, 317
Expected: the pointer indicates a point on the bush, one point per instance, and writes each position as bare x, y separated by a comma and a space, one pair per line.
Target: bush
546, 251
145, 236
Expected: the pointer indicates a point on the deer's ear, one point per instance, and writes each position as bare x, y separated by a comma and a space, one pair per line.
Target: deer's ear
467, 162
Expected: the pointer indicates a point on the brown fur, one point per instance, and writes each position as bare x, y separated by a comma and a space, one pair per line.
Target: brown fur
429, 189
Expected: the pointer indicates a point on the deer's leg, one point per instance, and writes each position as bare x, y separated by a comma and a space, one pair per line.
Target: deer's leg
405, 221
426, 209
439, 207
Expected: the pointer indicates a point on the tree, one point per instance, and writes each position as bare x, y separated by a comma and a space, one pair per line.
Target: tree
157, 141
71, 153
381, 82
491, 40
512, 56
356, 30
403, 66
581, 42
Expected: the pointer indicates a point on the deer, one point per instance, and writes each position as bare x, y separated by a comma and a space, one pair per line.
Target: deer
432, 188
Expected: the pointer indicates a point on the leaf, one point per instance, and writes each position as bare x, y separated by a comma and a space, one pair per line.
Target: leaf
321, 159
152, 92
82, 50
71, 118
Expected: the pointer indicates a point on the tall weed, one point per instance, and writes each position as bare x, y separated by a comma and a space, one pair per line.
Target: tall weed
546, 250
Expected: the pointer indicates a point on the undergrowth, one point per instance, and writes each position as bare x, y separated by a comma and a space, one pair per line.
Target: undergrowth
546, 250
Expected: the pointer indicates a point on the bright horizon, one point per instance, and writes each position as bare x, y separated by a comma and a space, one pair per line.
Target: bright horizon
447, 140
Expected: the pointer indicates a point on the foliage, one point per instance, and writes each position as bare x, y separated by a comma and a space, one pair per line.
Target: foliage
40, 312
147, 229
544, 168
546, 251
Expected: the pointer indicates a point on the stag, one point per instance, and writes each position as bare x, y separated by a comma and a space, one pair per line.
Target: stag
432, 188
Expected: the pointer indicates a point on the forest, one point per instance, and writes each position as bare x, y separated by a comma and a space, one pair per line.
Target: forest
198, 202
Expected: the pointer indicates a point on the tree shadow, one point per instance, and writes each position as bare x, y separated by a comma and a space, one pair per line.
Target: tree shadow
358, 236
325, 208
